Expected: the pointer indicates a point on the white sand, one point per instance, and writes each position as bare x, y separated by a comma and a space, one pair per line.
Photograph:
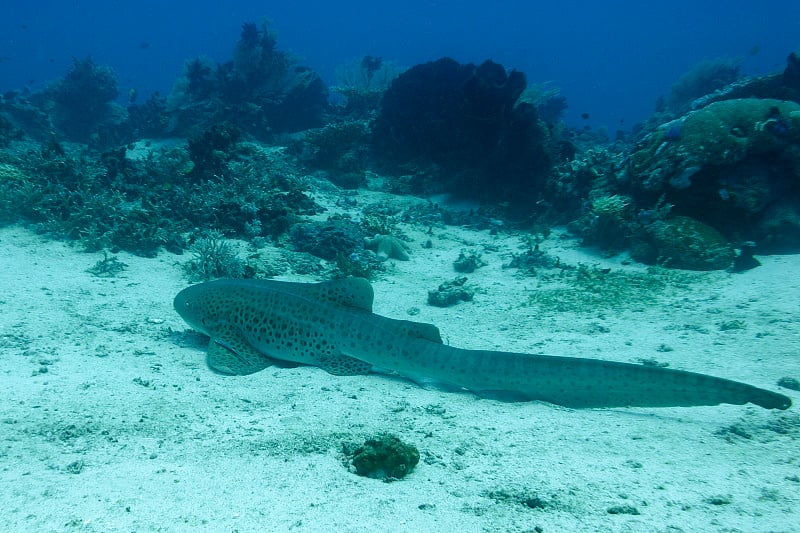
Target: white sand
127, 430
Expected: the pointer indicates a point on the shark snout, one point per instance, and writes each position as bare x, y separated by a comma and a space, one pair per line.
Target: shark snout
186, 304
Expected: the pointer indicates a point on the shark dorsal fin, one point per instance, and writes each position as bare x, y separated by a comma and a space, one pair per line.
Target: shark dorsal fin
350, 292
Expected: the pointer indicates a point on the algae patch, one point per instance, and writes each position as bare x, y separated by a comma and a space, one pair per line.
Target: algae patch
589, 289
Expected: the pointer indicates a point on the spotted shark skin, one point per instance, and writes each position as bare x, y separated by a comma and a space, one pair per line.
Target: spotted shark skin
255, 323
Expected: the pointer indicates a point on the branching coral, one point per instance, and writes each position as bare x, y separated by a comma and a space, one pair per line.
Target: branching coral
613, 206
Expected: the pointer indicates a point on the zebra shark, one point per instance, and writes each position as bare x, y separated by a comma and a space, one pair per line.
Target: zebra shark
253, 324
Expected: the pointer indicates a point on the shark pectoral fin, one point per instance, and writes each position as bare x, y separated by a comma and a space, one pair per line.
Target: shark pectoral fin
344, 365
234, 357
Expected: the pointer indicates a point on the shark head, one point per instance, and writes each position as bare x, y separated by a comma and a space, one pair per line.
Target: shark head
191, 304
252, 323
210, 308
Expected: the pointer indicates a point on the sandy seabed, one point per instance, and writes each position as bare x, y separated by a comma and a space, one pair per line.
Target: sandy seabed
111, 421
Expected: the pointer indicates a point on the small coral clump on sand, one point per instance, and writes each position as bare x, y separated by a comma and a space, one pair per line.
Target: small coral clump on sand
384, 457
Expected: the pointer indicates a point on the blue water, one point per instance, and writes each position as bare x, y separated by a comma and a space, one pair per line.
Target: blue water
611, 60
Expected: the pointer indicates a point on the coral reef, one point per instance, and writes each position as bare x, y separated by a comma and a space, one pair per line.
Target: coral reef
262, 90
357, 265
328, 239
779, 86
22, 116
791, 75
339, 148
149, 119
728, 159
362, 83
83, 107
608, 224
613, 206
715, 167
722, 133
682, 242
211, 150
589, 173
725, 164
702, 79
550, 104
8, 131
139, 204
467, 120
